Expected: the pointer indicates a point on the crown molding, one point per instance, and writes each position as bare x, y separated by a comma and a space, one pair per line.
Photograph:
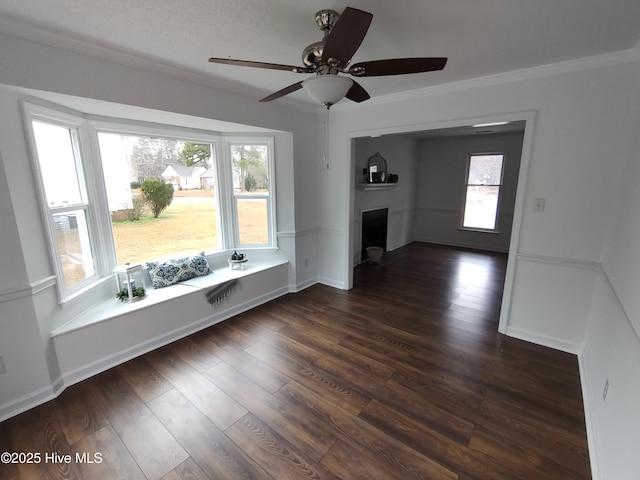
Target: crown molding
576, 65
20, 30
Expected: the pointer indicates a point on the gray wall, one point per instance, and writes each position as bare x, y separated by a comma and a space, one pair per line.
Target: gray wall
401, 154
441, 175
426, 204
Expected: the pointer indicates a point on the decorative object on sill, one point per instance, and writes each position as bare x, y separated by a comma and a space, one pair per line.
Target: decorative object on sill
377, 168
237, 259
137, 293
216, 294
393, 178
177, 270
126, 277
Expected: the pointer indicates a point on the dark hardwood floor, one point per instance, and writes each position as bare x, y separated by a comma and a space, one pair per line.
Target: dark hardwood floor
402, 377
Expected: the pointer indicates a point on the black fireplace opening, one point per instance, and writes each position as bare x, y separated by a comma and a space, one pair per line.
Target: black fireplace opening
374, 230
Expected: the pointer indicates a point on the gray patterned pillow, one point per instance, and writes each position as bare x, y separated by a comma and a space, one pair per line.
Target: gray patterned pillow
177, 270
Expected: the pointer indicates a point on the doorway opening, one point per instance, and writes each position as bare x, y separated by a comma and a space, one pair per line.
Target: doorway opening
410, 221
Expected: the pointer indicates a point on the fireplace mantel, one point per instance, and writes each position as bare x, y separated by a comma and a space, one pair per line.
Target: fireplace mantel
375, 186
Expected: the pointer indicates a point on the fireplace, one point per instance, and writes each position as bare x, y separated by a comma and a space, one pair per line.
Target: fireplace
374, 230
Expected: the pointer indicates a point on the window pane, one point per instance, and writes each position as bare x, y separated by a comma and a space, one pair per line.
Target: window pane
485, 169
253, 222
250, 168
74, 248
480, 207
188, 224
251, 188
57, 163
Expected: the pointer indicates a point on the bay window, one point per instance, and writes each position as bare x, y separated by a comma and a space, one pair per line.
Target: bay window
90, 172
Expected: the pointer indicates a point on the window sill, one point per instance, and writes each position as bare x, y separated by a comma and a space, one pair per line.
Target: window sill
111, 308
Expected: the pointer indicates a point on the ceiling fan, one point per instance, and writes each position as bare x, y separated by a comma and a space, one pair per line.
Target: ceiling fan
343, 34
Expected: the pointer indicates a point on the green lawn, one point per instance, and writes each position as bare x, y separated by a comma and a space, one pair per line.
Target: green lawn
187, 226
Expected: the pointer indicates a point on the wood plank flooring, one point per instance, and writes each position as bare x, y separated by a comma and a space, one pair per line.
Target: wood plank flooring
402, 377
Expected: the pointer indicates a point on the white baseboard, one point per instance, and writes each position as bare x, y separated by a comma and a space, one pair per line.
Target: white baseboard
67, 379
302, 285
592, 431
331, 283
31, 400
473, 246
117, 358
543, 340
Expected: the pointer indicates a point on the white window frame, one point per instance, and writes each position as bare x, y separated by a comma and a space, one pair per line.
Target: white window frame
229, 141
88, 179
89, 167
121, 127
466, 189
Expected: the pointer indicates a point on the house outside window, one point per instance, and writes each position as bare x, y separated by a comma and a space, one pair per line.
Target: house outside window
482, 191
190, 224
89, 174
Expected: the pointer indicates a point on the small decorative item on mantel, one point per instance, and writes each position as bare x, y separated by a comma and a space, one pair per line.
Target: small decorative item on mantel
131, 282
237, 259
377, 172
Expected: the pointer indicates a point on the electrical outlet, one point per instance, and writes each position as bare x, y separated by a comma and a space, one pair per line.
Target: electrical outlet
539, 205
2, 369
605, 390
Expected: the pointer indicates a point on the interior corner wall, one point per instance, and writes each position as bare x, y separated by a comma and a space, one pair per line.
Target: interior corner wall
23, 356
441, 175
611, 355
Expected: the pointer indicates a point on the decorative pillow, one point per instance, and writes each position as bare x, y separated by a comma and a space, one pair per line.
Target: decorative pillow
177, 270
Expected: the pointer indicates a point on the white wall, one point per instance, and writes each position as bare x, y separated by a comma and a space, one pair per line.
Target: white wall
583, 160
28, 305
578, 147
569, 141
441, 173
611, 349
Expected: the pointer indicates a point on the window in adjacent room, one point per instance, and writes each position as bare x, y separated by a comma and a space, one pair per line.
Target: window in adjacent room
482, 193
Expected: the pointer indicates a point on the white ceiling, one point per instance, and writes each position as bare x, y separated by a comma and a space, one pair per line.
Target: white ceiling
480, 37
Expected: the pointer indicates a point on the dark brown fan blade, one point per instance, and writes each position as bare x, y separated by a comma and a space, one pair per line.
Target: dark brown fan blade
397, 66
270, 66
357, 94
346, 36
283, 92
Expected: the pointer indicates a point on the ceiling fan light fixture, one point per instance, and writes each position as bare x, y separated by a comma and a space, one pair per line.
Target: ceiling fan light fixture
327, 90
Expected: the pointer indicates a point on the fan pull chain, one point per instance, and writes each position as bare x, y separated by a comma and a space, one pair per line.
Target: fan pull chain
326, 136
